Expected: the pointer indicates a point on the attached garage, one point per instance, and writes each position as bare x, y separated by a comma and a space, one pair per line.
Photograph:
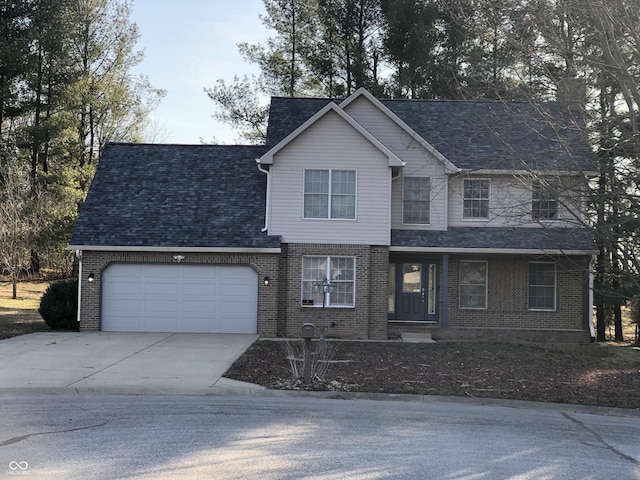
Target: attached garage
179, 298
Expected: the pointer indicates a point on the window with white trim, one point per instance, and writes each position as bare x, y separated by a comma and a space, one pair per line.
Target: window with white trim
542, 286
473, 284
339, 271
475, 198
416, 201
330, 194
544, 202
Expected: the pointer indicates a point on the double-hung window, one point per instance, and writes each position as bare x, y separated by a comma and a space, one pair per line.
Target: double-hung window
475, 199
416, 201
328, 280
330, 194
473, 284
544, 202
542, 286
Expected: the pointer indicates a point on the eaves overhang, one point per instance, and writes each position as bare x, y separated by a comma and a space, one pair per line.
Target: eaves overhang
492, 251
138, 248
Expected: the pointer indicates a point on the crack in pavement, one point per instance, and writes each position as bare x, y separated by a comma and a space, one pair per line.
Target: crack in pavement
121, 360
601, 440
13, 440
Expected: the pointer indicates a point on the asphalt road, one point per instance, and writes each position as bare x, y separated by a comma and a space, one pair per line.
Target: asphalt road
174, 437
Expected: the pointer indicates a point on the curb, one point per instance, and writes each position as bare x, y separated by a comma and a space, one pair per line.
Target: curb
252, 390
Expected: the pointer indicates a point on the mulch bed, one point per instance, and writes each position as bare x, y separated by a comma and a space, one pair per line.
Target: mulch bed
585, 374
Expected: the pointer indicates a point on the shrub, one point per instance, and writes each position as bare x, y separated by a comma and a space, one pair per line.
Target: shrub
59, 305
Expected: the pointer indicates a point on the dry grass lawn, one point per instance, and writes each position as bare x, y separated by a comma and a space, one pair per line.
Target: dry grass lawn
21, 316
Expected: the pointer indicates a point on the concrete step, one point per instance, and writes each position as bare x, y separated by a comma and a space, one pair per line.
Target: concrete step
417, 337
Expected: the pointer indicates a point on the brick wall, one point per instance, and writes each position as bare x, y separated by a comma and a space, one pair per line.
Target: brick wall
367, 320
507, 307
264, 264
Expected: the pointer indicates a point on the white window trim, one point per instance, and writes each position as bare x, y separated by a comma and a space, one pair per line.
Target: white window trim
476, 219
555, 288
486, 286
328, 295
544, 220
430, 201
328, 217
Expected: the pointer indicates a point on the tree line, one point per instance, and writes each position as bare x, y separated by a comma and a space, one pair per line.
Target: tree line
66, 88
504, 50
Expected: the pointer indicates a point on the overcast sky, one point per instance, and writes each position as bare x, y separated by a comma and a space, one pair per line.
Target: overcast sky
188, 45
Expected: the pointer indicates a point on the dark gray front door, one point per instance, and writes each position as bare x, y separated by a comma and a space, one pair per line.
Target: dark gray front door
416, 291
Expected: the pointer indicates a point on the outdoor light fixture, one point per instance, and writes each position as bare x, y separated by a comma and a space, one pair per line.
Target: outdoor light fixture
266, 281
178, 258
91, 277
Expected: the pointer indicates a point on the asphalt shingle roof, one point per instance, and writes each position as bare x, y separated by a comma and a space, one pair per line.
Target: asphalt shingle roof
176, 196
497, 238
471, 134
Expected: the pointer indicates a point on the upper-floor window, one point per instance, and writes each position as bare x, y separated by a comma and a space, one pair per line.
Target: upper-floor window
416, 201
544, 202
330, 194
475, 198
542, 286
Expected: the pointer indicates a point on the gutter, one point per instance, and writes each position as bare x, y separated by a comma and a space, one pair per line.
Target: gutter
172, 249
515, 251
268, 202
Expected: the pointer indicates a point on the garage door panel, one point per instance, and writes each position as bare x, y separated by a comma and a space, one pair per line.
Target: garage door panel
201, 273
237, 290
161, 289
199, 307
158, 306
126, 288
161, 271
194, 289
127, 305
159, 323
180, 298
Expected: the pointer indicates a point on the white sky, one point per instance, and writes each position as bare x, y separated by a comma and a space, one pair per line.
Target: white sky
188, 45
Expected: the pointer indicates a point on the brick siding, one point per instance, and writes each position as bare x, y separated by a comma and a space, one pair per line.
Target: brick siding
280, 312
366, 320
507, 313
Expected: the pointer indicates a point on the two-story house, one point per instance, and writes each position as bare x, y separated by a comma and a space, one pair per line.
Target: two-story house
372, 217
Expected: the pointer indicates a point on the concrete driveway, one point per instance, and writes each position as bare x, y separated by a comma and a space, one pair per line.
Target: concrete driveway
108, 362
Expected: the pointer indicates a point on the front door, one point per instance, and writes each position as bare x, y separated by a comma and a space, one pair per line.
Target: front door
416, 291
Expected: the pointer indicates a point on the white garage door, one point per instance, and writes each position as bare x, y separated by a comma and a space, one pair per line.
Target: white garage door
179, 298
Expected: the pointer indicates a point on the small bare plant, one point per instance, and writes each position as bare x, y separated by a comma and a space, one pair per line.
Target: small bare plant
320, 360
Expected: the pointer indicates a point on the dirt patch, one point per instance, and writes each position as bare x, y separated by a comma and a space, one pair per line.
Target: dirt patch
586, 374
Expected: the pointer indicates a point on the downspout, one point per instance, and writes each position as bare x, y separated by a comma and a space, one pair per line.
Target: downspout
268, 202
79, 257
590, 305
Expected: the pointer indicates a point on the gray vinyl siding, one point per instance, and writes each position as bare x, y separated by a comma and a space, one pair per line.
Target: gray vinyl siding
509, 204
331, 143
419, 162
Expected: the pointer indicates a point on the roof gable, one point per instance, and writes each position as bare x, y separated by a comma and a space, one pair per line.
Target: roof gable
267, 158
363, 93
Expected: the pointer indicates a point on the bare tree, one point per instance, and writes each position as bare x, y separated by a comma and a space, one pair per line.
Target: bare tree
21, 205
